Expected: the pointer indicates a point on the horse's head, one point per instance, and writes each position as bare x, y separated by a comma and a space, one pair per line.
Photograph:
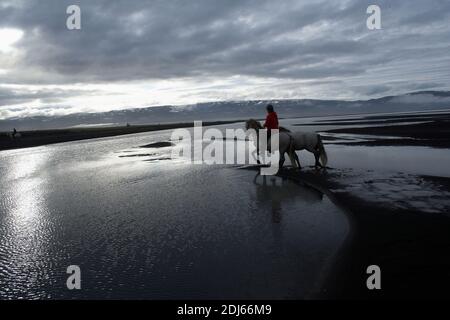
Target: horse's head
247, 124
252, 124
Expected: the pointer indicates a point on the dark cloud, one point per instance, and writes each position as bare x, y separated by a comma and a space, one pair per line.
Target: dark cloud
127, 40
124, 40
11, 96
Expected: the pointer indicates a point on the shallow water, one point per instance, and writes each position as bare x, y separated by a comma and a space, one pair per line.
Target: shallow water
142, 225
157, 229
416, 160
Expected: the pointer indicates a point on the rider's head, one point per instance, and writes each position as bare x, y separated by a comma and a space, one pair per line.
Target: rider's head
269, 108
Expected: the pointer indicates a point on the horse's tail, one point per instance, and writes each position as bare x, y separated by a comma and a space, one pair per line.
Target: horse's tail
323, 153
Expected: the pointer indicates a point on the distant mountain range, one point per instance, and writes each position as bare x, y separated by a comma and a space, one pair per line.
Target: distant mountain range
230, 110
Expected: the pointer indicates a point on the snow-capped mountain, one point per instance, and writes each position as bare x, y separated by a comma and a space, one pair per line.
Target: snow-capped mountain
230, 110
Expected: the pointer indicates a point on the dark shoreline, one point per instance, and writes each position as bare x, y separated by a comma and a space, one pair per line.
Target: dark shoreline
431, 131
410, 246
43, 137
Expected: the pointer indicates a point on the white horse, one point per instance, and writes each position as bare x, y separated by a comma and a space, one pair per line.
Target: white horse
284, 142
290, 142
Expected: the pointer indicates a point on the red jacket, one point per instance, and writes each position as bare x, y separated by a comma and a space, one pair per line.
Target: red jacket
271, 121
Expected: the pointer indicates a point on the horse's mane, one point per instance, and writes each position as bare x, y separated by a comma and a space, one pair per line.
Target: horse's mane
250, 122
253, 121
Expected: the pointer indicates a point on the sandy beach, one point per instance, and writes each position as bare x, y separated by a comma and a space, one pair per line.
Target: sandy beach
44, 137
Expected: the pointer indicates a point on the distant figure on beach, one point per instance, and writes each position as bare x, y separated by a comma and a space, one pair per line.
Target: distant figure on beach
14, 134
271, 123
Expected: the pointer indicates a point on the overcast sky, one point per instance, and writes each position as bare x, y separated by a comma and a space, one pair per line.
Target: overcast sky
136, 53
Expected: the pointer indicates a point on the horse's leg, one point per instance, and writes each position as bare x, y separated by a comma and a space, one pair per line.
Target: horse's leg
292, 158
257, 151
317, 156
255, 156
297, 159
291, 152
282, 159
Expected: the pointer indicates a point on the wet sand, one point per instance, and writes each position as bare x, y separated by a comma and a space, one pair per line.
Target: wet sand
428, 131
44, 137
399, 221
410, 246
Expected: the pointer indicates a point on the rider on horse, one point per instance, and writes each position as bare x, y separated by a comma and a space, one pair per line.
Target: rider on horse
271, 123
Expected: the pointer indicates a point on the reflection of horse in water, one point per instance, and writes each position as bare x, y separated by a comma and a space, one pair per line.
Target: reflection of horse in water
292, 141
277, 190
